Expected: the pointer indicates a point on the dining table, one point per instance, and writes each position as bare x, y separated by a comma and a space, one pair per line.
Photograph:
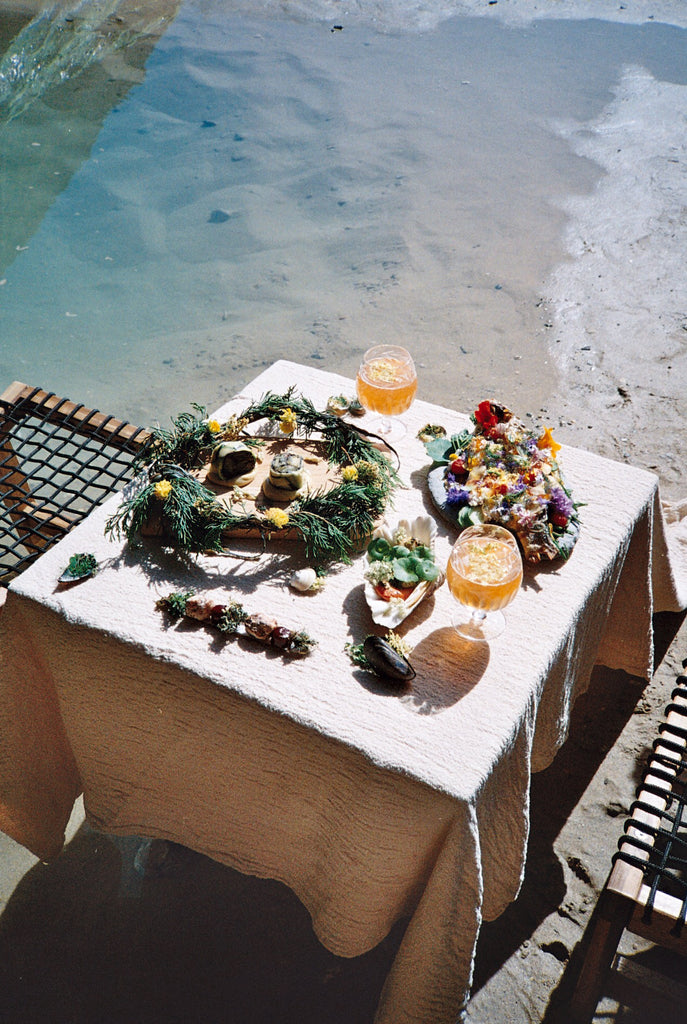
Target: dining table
374, 803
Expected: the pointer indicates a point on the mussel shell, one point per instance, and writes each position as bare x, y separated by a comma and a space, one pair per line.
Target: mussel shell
386, 662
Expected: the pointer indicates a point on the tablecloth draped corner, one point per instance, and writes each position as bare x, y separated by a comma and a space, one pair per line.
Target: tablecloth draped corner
670, 556
39, 781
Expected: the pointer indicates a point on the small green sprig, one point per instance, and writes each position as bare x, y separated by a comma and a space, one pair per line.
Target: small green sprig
174, 604
186, 444
231, 617
357, 655
302, 642
80, 565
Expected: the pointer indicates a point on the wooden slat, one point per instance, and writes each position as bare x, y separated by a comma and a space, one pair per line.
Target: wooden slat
625, 879
12, 393
652, 995
81, 419
623, 901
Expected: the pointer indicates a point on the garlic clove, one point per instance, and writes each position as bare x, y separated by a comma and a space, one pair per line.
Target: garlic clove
303, 579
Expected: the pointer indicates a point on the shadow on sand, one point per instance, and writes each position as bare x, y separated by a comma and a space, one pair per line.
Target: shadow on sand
598, 719
90, 941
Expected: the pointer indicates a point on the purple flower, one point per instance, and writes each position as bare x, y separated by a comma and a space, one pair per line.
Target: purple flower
457, 496
560, 503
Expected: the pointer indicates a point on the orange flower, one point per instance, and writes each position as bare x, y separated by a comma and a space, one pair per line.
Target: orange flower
547, 441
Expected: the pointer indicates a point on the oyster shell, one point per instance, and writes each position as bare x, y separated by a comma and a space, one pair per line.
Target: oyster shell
391, 613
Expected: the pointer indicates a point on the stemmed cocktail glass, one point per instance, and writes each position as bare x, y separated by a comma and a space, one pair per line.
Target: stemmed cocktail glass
484, 574
386, 384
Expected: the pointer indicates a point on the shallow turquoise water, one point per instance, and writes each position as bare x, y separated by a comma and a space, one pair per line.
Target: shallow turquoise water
187, 210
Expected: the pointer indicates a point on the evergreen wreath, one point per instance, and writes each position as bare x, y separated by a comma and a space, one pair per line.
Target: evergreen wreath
329, 522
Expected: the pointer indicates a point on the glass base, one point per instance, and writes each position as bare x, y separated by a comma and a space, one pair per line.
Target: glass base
471, 625
390, 430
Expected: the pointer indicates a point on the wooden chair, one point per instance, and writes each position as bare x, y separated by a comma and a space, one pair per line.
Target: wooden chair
58, 460
646, 892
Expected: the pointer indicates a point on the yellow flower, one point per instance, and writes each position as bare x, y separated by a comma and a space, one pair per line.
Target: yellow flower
547, 441
277, 516
214, 426
368, 472
349, 473
163, 489
288, 421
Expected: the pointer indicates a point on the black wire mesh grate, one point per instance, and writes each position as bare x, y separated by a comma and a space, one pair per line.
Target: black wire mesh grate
58, 461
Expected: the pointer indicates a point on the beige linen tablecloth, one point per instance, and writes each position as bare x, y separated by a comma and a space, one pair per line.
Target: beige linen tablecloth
371, 806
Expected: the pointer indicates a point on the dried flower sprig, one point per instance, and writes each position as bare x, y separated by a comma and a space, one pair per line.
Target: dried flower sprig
229, 616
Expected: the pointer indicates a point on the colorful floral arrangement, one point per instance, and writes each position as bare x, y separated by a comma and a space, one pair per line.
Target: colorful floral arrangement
504, 472
331, 523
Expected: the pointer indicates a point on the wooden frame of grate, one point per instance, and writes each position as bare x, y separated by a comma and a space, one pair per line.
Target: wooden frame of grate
646, 892
58, 460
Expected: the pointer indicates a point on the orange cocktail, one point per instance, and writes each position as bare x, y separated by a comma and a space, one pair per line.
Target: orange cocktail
484, 574
387, 385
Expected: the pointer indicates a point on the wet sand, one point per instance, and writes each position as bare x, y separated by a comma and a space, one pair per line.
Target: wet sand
524, 229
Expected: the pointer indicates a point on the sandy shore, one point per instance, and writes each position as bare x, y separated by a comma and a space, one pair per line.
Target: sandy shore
601, 353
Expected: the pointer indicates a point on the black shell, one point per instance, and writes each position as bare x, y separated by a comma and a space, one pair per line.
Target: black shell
385, 661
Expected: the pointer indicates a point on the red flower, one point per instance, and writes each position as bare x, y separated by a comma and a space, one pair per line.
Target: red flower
484, 415
558, 519
458, 467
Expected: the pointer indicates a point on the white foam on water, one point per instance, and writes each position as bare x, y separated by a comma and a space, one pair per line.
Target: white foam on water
621, 300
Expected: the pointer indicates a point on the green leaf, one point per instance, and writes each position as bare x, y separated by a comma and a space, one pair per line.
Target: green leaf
469, 516
428, 570
439, 449
378, 549
405, 570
